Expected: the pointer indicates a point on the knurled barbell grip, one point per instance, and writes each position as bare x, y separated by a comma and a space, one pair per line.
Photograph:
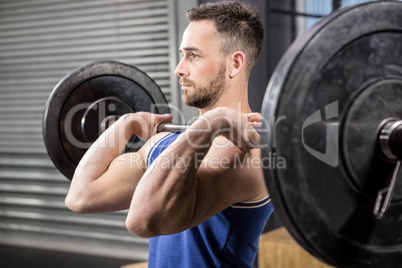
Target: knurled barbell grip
169, 127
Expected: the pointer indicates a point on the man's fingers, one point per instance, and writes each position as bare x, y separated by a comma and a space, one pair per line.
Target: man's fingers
164, 118
254, 117
254, 138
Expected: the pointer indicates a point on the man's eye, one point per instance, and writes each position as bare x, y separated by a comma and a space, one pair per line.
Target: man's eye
193, 56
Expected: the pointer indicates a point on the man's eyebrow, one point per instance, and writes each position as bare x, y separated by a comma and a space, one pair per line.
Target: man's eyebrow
189, 49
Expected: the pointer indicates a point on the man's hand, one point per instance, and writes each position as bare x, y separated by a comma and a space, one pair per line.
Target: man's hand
236, 127
145, 124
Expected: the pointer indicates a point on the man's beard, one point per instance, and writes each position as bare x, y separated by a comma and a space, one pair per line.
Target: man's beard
205, 96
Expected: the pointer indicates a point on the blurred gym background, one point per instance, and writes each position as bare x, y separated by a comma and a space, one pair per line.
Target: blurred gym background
43, 40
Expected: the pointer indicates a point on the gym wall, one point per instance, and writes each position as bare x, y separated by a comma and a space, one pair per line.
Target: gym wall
40, 42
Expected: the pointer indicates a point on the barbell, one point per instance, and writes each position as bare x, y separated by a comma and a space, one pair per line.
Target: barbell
336, 102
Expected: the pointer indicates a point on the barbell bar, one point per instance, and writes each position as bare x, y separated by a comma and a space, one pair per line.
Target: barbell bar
389, 136
171, 127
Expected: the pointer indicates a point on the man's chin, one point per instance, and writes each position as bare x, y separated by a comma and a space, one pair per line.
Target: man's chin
184, 97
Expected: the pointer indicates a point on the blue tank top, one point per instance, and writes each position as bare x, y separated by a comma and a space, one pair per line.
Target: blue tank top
228, 239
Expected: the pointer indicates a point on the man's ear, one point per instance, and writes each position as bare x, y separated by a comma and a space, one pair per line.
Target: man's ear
237, 64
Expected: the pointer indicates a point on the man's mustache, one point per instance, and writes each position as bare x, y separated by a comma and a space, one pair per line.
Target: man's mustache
184, 81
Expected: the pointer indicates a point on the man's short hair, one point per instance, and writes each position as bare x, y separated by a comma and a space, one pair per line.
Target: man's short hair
239, 24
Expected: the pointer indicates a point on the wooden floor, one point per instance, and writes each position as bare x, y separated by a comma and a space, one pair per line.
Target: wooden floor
136, 265
278, 249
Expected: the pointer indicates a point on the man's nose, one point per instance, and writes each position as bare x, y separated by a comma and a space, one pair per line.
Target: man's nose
182, 68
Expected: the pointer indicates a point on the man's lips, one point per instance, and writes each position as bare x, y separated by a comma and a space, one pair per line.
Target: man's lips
185, 83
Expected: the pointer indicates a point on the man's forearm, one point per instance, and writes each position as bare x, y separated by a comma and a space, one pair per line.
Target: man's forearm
169, 186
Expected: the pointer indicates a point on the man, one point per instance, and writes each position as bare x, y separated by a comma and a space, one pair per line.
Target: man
200, 195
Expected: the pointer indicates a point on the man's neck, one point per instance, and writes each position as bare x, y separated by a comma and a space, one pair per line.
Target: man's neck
235, 99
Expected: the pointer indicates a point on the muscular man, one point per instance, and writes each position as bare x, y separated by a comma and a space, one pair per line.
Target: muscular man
200, 195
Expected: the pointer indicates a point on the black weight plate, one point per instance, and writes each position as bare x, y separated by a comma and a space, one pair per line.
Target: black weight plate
328, 95
84, 98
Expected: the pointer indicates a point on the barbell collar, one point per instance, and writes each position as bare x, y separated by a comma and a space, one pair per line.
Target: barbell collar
390, 139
